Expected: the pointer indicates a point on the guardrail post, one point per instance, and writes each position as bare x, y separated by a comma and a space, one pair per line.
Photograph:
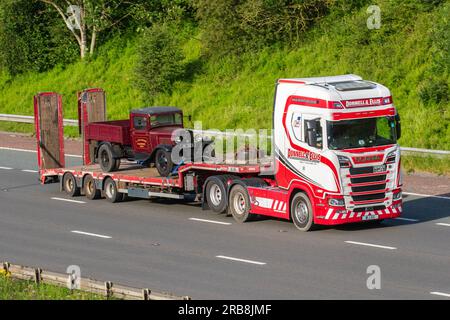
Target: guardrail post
108, 289
146, 294
37, 275
6, 266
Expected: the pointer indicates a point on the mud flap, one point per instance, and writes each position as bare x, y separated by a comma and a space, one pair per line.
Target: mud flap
91, 108
49, 127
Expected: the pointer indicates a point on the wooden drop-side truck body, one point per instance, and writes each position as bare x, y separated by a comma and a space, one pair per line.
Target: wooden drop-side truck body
336, 159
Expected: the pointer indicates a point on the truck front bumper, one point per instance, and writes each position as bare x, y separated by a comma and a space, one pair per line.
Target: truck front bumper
335, 215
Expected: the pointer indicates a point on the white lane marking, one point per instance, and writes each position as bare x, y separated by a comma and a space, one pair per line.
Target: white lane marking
68, 200
443, 224
425, 195
407, 219
91, 234
440, 294
28, 170
241, 260
6, 168
34, 151
210, 221
371, 245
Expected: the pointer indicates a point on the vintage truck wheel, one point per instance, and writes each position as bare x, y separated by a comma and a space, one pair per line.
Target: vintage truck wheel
106, 159
163, 162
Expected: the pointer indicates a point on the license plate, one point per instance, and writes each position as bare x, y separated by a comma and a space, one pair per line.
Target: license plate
370, 217
377, 169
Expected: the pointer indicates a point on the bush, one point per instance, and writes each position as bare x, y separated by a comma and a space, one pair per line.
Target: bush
235, 26
160, 61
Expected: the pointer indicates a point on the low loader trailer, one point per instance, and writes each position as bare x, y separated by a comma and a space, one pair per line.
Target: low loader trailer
335, 158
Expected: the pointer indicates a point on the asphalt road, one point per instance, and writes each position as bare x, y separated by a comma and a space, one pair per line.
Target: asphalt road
163, 246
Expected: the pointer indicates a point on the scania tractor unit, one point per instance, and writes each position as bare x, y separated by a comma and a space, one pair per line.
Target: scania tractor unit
335, 158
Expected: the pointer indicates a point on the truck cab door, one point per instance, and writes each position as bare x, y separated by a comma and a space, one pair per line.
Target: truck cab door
140, 137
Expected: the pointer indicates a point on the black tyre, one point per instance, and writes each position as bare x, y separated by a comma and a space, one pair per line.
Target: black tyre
216, 195
301, 212
90, 189
111, 192
116, 165
163, 162
106, 158
70, 185
239, 204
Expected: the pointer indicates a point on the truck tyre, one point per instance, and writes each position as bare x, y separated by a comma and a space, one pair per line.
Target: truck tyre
163, 162
112, 194
116, 165
301, 212
90, 189
216, 195
239, 204
70, 185
106, 159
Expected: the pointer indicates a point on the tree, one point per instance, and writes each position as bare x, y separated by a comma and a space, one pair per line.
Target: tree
86, 19
160, 61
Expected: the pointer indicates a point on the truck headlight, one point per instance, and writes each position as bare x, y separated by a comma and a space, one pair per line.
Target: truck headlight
397, 196
391, 157
336, 202
344, 162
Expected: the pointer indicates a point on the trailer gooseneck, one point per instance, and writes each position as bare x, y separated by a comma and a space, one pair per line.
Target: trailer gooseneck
336, 158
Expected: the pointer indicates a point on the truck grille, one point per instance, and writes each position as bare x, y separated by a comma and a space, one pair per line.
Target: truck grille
365, 183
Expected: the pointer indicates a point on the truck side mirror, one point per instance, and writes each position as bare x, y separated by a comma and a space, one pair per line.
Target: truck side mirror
398, 126
311, 132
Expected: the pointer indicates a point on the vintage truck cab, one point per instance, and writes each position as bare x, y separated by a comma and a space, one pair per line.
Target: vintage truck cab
145, 137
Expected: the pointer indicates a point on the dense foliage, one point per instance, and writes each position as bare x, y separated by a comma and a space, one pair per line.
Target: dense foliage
219, 60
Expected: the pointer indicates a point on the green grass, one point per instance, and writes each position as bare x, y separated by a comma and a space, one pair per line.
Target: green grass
237, 92
439, 165
12, 289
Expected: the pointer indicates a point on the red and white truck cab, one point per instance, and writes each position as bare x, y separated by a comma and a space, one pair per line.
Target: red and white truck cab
335, 142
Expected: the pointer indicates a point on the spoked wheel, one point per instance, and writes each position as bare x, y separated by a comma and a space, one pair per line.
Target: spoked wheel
163, 162
301, 212
216, 195
239, 204
112, 194
70, 185
90, 189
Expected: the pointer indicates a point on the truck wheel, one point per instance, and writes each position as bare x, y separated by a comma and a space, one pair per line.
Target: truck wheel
239, 204
70, 185
105, 158
90, 189
163, 162
216, 195
301, 212
111, 193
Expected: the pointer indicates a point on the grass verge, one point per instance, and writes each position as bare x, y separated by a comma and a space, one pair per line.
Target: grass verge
13, 289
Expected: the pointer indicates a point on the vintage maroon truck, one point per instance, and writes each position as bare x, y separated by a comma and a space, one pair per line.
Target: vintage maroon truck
145, 137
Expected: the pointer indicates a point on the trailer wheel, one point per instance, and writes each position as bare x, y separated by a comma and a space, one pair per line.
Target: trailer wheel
90, 189
106, 159
70, 185
216, 195
163, 162
301, 212
239, 204
111, 192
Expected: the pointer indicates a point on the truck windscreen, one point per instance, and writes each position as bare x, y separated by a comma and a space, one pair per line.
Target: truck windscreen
360, 133
168, 119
